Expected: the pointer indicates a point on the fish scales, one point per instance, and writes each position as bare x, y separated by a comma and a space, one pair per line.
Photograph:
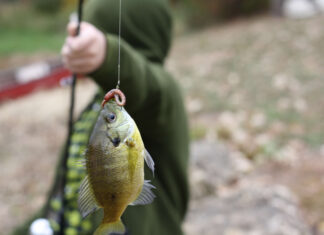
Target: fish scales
111, 178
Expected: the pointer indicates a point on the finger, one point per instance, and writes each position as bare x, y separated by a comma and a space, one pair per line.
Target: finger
68, 54
80, 70
80, 43
69, 57
71, 28
66, 64
83, 65
86, 54
65, 51
85, 70
80, 62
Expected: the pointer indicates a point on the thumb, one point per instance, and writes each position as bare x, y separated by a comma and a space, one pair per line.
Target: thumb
71, 28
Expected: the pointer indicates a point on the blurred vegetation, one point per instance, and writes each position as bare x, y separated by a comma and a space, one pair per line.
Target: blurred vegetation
51, 6
26, 27
203, 12
47, 5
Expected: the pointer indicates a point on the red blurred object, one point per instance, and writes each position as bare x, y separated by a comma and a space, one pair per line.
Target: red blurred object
18, 82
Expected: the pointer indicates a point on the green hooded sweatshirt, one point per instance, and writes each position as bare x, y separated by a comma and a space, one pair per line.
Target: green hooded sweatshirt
153, 100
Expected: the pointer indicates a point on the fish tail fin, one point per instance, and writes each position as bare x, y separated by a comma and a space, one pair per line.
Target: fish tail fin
111, 228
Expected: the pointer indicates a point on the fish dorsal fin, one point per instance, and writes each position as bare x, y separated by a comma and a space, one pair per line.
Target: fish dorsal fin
149, 161
87, 202
146, 196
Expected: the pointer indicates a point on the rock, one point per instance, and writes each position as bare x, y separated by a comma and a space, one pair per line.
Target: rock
213, 167
250, 210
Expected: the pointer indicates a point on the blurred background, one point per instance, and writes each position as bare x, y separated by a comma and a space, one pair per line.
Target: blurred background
252, 74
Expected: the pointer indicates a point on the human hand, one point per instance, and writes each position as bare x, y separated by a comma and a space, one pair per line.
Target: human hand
86, 52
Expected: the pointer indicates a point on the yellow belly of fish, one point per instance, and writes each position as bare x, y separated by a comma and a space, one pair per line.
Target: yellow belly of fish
117, 179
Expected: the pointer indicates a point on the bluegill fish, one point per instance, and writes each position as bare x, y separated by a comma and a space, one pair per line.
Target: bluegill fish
115, 168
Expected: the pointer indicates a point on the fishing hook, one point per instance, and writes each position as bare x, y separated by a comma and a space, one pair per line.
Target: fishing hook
119, 96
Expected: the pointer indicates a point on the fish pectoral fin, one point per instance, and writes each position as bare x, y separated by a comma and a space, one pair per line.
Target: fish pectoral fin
149, 161
86, 202
146, 196
130, 142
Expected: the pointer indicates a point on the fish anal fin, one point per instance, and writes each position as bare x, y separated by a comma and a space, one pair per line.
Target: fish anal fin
87, 202
149, 161
146, 196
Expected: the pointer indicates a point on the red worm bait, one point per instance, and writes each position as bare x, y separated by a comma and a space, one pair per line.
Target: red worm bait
119, 96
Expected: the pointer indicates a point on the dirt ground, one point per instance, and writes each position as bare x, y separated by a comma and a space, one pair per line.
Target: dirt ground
33, 130
254, 85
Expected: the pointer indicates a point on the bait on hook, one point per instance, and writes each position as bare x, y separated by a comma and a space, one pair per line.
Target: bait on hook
119, 96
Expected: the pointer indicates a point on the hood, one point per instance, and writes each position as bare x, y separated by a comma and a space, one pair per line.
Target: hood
146, 24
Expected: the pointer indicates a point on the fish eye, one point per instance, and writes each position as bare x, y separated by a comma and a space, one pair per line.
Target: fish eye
111, 117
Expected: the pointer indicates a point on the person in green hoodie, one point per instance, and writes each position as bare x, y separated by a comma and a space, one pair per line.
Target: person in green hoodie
154, 101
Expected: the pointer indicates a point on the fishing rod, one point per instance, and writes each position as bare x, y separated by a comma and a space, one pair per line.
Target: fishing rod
70, 129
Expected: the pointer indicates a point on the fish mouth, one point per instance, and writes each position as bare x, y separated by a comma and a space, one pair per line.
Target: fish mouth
115, 141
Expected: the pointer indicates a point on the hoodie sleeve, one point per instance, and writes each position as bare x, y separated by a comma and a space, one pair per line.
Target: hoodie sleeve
144, 83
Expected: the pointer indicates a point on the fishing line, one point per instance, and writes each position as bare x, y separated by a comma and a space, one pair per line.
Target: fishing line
119, 96
119, 39
70, 129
